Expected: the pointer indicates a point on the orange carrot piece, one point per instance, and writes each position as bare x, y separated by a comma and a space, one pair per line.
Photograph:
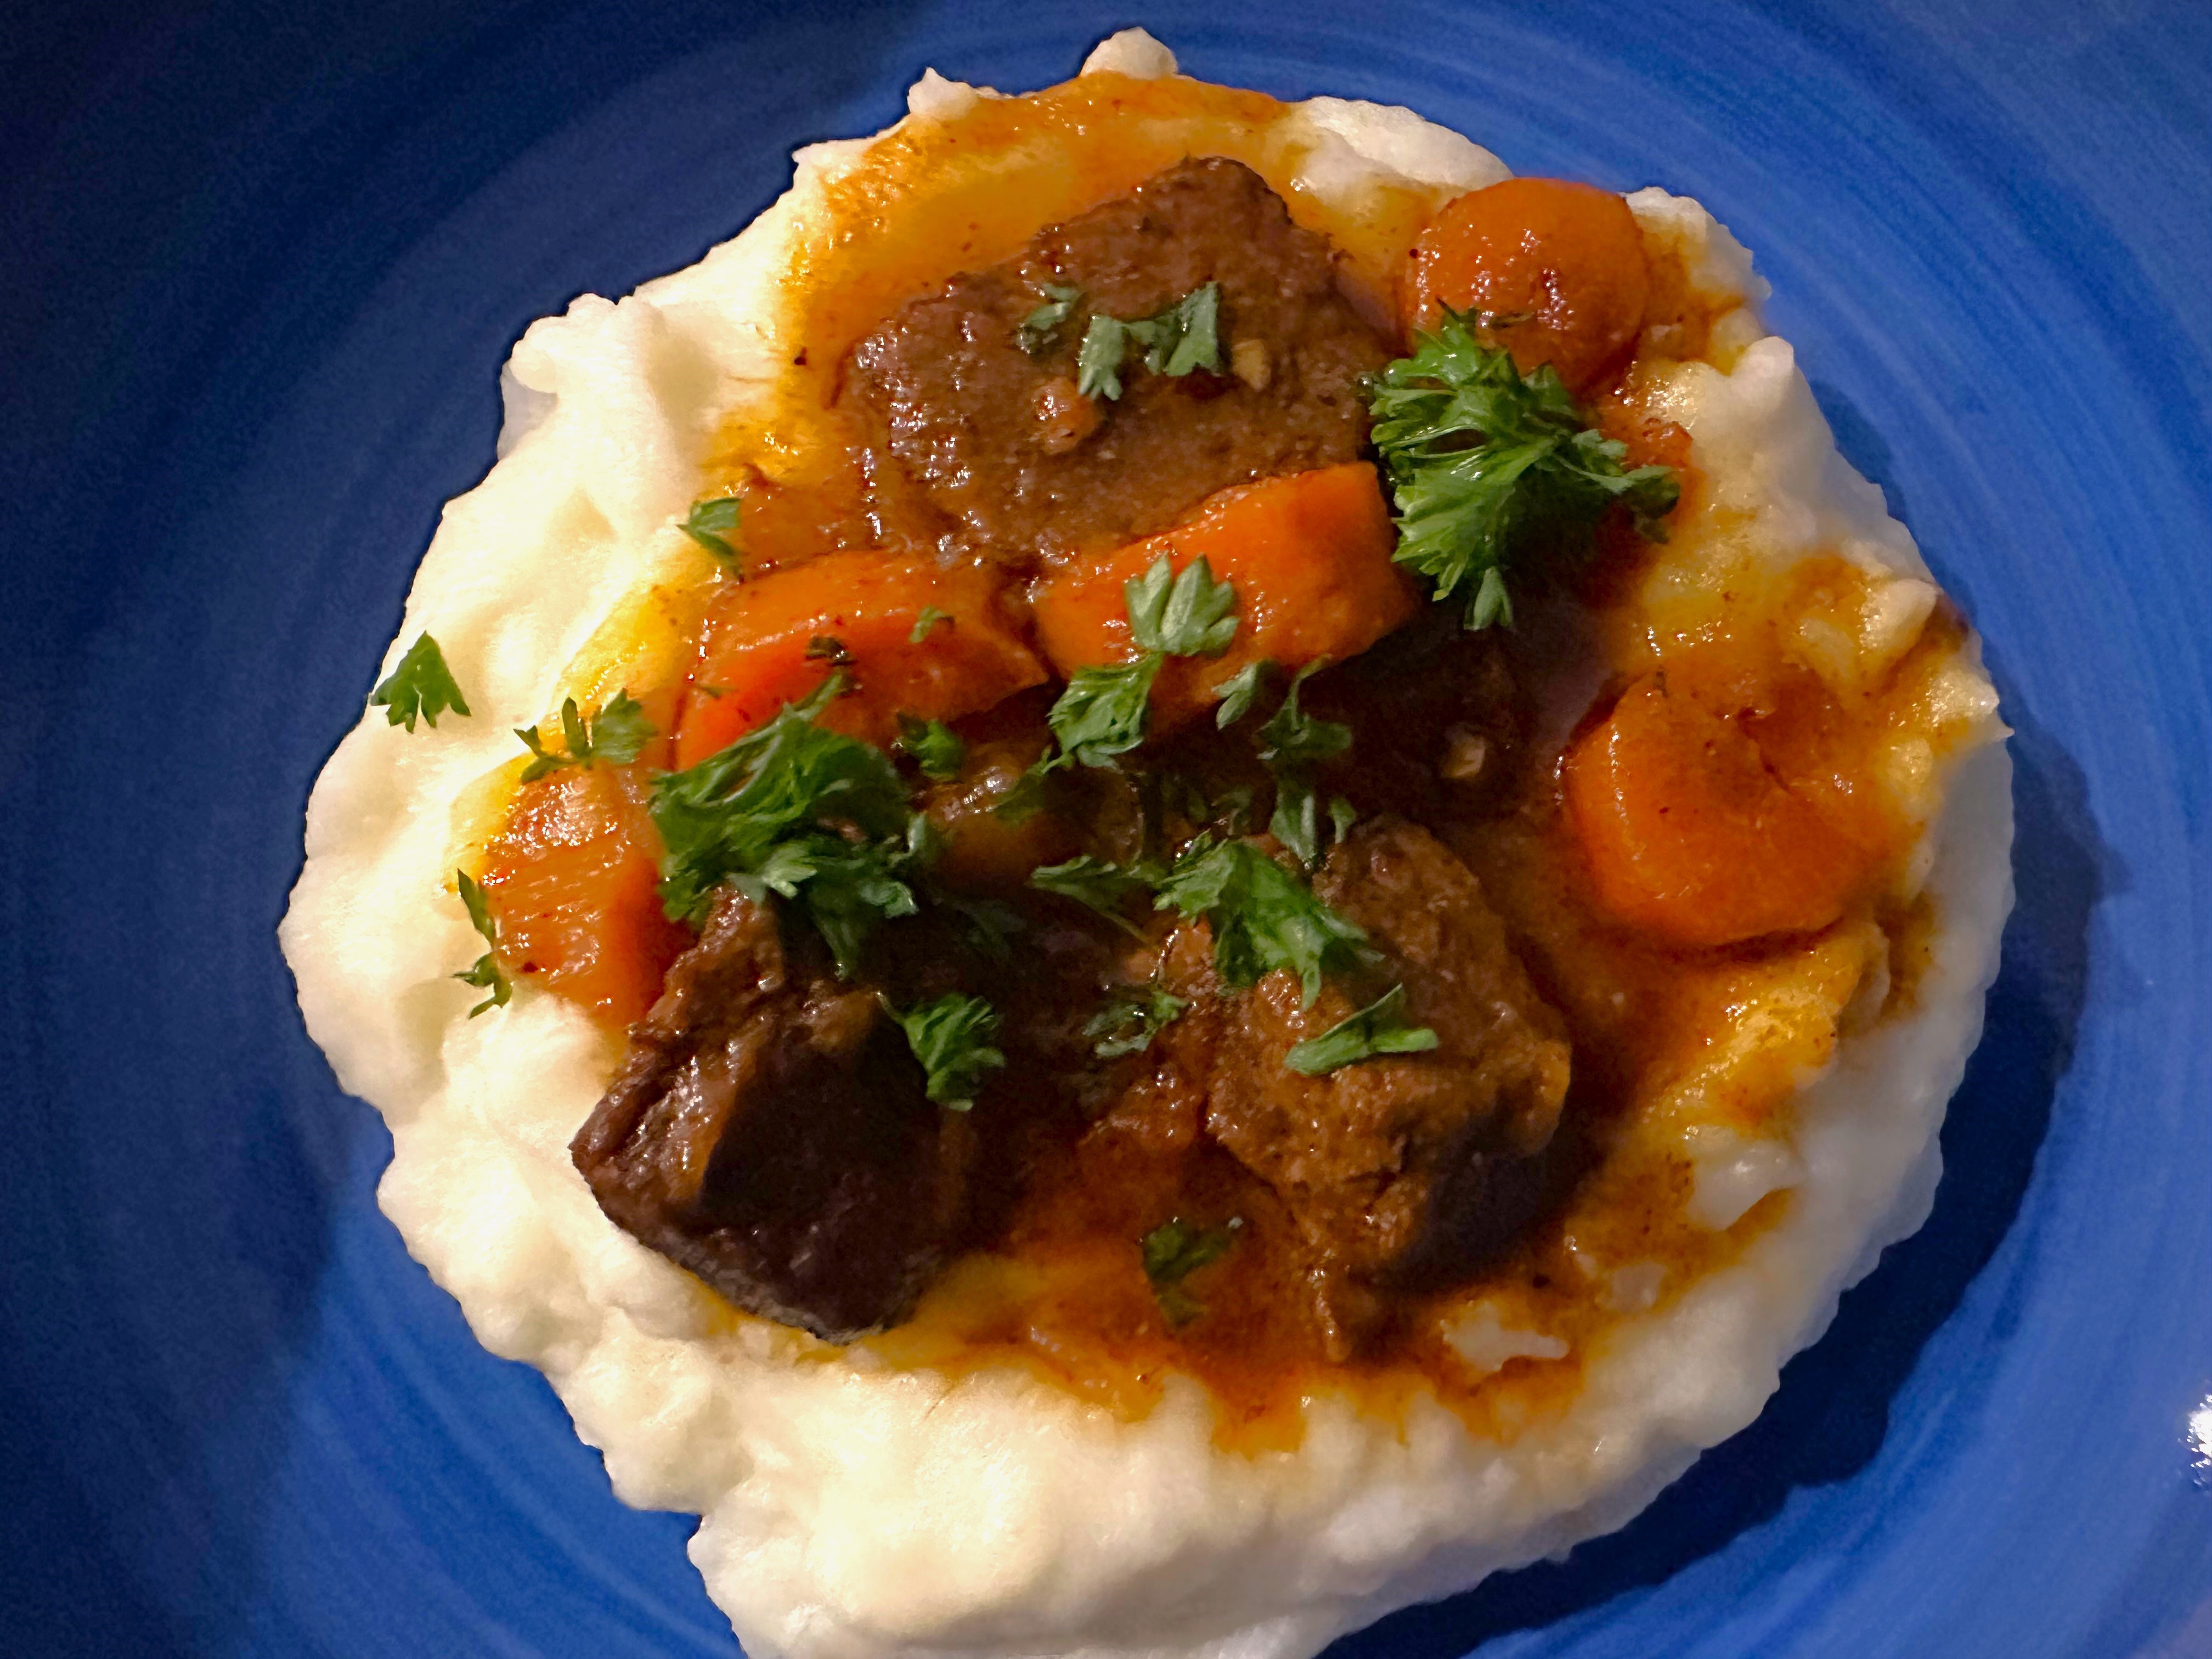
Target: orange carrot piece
571, 881
1690, 834
1309, 556
774, 639
1567, 258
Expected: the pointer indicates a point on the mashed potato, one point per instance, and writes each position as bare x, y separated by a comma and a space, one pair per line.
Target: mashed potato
856, 1507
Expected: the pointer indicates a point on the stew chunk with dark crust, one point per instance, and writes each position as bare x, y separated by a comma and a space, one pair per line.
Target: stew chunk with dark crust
996, 434
1403, 1168
769, 1131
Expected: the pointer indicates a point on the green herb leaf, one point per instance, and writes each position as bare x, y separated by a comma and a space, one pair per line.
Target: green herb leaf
486, 975
419, 683
1488, 465
710, 522
1291, 743
1131, 1019
828, 647
1180, 614
1038, 329
1238, 692
1099, 360
937, 748
1262, 916
951, 1037
1379, 1028
1176, 1249
790, 808
1183, 337
616, 735
1104, 712
1094, 883
930, 615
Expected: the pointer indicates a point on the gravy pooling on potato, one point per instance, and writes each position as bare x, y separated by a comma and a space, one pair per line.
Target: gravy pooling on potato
1182, 1185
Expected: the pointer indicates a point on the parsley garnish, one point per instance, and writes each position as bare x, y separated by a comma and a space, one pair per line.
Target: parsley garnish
1131, 1019
1183, 337
927, 618
709, 523
1379, 1028
1263, 917
951, 1038
487, 975
1106, 710
828, 647
792, 809
419, 683
1038, 328
1238, 690
937, 748
1173, 1251
1290, 744
618, 735
1182, 613
1487, 464
1098, 885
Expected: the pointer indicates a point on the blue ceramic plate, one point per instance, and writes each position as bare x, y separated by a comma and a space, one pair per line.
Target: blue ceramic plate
259, 267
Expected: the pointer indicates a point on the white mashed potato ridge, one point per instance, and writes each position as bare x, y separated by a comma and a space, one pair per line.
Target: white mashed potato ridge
852, 1510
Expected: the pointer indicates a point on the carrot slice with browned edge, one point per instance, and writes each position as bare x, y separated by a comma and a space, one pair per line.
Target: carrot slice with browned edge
773, 639
1560, 266
1309, 556
572, 881
1690, 834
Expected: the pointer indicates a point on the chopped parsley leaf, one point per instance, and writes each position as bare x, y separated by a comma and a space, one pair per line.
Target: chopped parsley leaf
1131, 1019
937, 748
1238, 692
951, 1038
1182, 337
616, 735
710, 523
486, 975
1039, 329
1104, 712
828, 647
1291, 743
1488, 465
1379, 1028
791, 808
419, 683
1173, 1251
930, 615
1263, 917
1180, 614
1098, 885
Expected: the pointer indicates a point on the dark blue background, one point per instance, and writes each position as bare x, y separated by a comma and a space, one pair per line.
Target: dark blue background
258, 265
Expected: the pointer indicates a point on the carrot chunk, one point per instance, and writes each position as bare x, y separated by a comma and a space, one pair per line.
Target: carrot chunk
1690, 832
772, 639
1560, 266
572, 883
1309, 556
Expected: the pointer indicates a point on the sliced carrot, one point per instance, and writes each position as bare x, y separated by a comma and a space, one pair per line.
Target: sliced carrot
1690, 832
1566, 258
1309, 556
772, 639
572, 881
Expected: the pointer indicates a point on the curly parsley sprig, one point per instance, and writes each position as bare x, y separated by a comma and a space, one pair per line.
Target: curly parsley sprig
1488, 465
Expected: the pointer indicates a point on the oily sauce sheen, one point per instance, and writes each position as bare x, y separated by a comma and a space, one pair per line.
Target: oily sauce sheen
1576, 903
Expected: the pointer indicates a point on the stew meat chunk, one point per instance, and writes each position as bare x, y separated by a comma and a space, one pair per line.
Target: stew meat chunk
1000, 438
1403, 1168
769, 1131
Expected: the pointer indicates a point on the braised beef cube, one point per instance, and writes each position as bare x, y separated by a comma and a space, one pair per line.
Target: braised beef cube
769, 1131
990, 430
1403, 1168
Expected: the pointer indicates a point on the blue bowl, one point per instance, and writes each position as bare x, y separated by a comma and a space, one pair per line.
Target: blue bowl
259, 267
